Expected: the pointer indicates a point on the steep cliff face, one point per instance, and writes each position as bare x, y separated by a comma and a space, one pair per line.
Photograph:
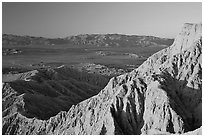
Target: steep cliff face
183, 63
162, 96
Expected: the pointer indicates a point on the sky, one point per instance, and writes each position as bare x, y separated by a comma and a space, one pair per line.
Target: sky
54, 20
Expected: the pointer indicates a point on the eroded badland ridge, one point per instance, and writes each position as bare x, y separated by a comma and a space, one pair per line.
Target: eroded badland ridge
162, 96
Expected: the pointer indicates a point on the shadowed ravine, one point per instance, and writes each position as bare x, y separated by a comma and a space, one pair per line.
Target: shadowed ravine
44, 93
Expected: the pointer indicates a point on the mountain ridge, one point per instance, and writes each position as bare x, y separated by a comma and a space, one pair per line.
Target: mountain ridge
88, 39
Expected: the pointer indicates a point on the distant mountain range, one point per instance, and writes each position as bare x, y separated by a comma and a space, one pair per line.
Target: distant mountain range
99, 40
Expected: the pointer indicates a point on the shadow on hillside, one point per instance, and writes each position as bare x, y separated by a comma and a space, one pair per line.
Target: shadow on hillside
50, 92
187, 100
128, 122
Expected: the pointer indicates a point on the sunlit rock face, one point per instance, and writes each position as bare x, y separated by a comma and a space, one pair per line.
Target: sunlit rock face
162, 96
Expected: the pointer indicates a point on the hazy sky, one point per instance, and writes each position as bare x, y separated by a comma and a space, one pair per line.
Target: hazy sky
64, 19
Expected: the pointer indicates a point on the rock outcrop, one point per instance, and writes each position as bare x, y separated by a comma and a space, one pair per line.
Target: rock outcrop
162, 96
10, 52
